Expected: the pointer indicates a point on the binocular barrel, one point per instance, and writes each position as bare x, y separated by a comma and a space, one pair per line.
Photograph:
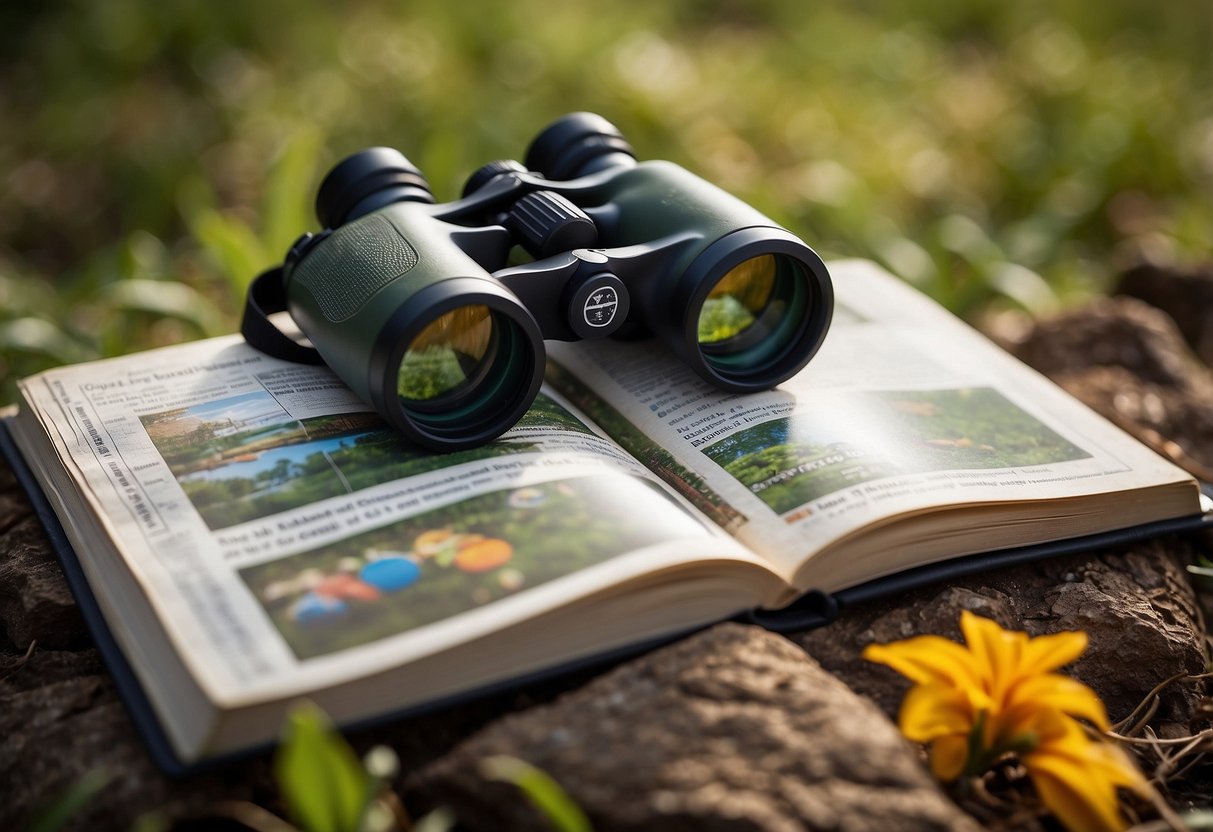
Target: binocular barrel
413, 305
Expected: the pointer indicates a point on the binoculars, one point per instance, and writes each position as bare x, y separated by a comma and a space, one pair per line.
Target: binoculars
415, 306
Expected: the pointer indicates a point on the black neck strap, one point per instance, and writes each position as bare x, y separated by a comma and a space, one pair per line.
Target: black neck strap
267, 295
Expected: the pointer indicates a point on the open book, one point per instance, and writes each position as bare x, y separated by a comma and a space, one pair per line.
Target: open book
251, 533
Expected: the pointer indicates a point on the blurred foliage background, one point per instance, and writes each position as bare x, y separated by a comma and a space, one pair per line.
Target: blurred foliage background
156, 155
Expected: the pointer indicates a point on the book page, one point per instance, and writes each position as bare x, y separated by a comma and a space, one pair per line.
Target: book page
287, 539
904, 410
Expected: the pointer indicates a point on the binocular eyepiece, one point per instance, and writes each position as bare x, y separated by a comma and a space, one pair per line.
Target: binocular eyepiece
413, 305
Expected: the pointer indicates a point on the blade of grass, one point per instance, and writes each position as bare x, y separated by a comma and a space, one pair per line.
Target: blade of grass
321, 779
72, 800
545, 793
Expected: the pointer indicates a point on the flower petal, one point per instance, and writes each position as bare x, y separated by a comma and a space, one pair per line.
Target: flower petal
1052, 690
996, 652
927, 660
948, 756
1119, 769
1045, 653
931, 711
1098, 759
1082, 804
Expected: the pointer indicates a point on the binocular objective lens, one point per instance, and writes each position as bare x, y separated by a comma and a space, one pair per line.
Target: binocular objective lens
754, 314
449, 358
738, 302
466, 373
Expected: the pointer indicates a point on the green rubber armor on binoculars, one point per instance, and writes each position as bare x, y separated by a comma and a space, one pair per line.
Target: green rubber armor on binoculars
412, 304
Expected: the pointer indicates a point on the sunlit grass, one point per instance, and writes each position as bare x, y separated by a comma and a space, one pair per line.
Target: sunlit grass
988, 152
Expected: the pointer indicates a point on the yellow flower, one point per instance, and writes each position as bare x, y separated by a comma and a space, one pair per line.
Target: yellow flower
997, 682
996, 694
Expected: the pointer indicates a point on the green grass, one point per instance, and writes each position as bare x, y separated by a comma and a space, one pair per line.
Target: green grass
158, 155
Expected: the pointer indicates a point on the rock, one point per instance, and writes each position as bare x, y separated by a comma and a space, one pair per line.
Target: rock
1184, 294
19, 673
420, 740
1136, 605
1119, 332
35, 603
52, 735
733, 728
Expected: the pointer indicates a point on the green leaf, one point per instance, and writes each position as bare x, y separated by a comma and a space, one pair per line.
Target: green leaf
168, 299
545, 794
71, 801
323, 784
153, 821
290, 192
20, 295
232, 245
1023, 286
1203, 576
34, 335
439, 820
144, 255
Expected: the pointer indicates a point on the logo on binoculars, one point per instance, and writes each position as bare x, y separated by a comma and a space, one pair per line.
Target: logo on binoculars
600, 306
